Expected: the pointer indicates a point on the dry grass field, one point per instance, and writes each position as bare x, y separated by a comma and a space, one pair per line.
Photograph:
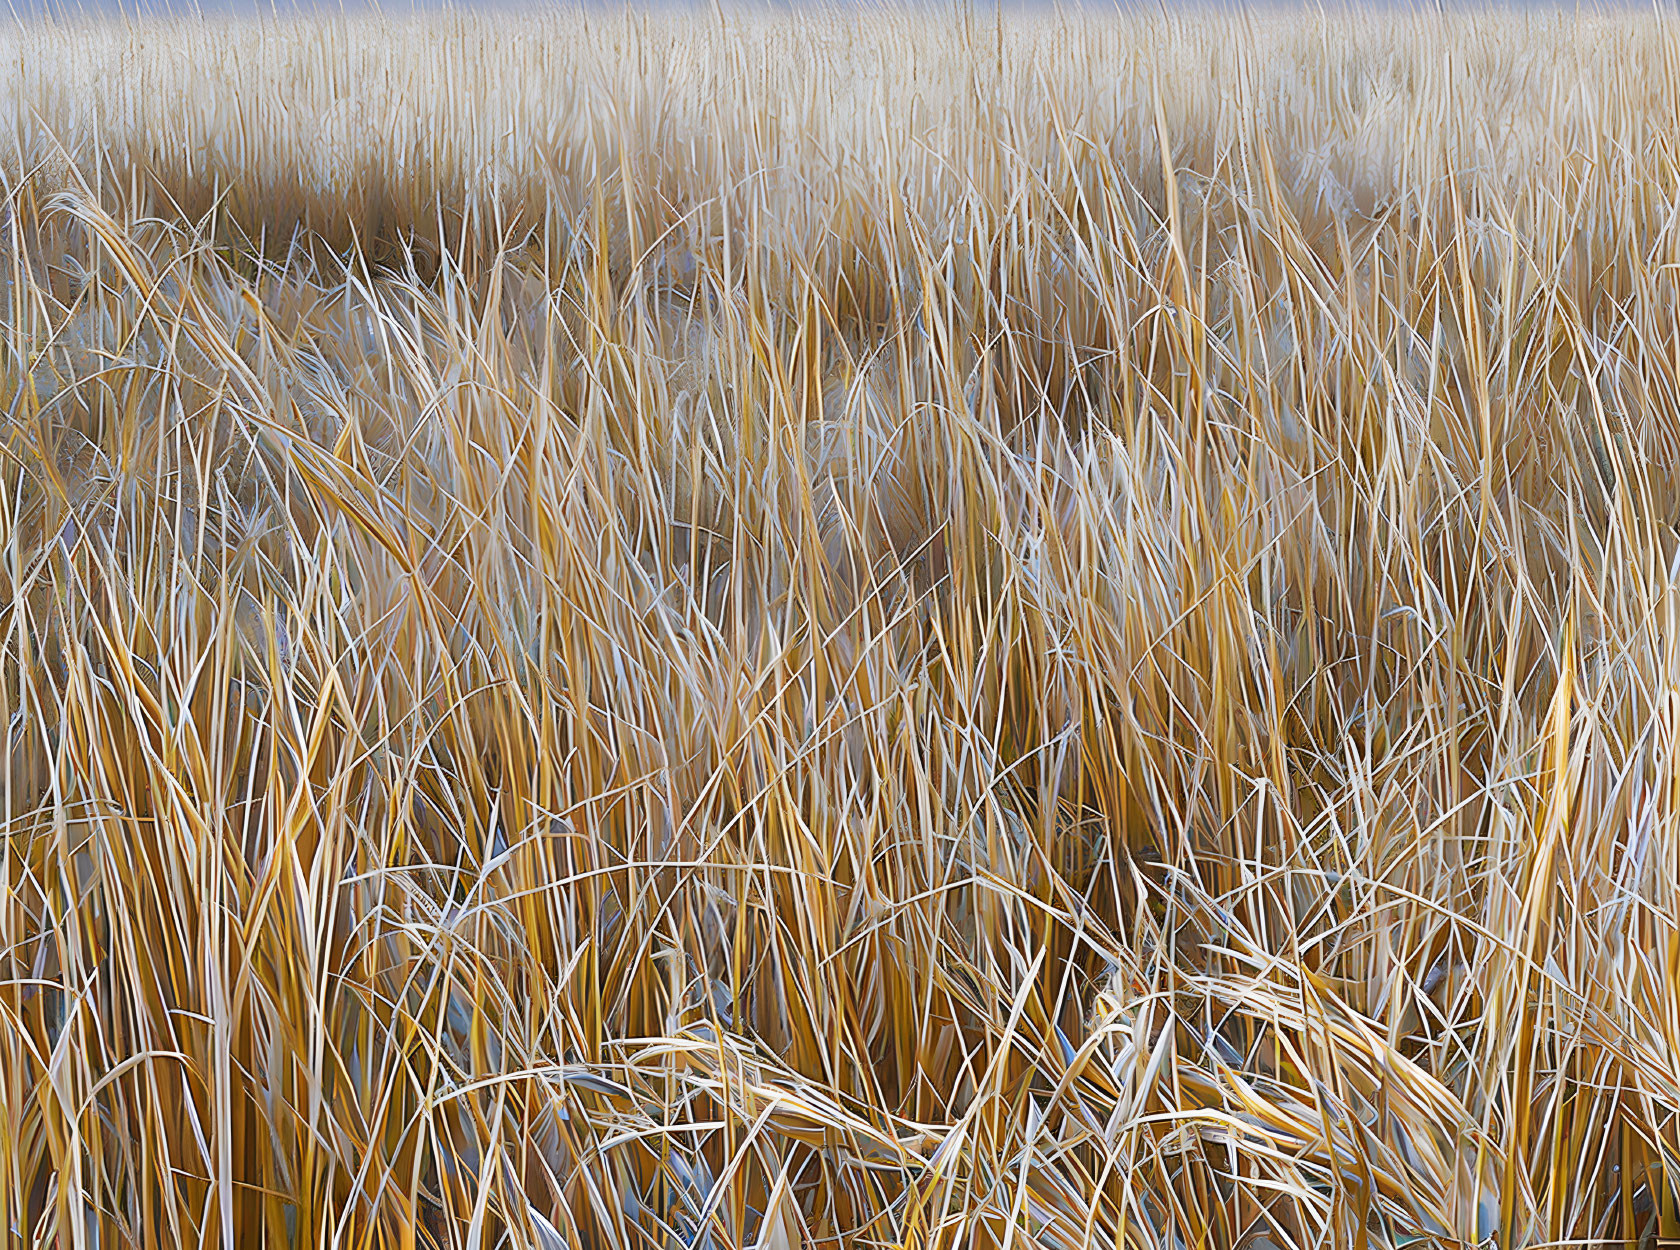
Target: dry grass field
865, 628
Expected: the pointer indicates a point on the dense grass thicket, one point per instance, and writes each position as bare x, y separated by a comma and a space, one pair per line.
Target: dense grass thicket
854, 629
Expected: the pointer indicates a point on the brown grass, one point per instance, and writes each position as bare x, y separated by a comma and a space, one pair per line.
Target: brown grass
631, 631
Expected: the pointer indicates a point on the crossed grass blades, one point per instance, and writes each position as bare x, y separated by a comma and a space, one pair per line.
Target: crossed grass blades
842, 630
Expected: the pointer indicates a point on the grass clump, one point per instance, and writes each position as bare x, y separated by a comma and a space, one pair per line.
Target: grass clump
844, 630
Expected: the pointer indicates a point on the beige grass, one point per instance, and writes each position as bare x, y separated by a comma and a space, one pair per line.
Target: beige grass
848, 630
